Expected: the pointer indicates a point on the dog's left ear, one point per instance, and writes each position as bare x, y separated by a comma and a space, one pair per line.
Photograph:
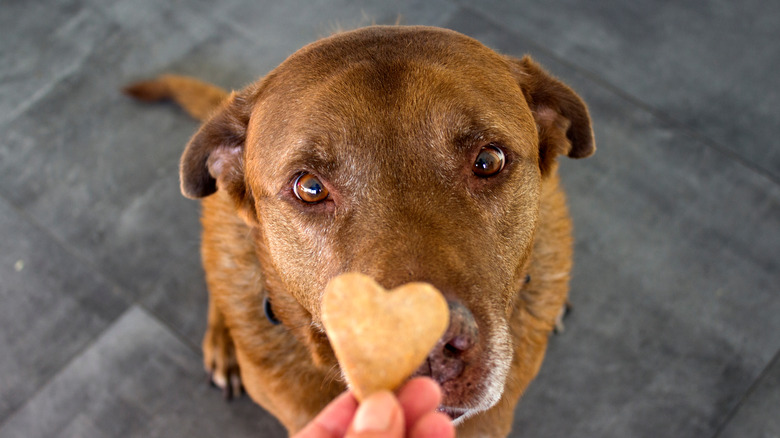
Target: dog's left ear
561, 116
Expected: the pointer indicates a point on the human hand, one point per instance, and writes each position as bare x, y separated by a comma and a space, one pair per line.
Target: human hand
383, 415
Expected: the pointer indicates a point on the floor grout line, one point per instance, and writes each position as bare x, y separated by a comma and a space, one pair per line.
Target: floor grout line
775, 361
86, 347
89, 345
115, 288
631, 99
174, 331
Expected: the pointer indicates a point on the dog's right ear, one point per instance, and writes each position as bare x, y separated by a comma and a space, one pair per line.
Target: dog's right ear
214, 157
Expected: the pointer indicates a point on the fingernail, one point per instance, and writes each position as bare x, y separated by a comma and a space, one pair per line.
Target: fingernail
375, 414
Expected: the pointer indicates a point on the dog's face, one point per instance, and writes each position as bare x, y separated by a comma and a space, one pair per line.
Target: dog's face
408, 154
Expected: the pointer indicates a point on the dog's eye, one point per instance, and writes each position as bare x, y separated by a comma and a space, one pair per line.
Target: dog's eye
489, 162
309, 189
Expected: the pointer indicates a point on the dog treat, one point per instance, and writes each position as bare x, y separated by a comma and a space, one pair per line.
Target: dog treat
381, 337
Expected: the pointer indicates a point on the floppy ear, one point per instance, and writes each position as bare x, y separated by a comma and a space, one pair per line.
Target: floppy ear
561, 116
214, 157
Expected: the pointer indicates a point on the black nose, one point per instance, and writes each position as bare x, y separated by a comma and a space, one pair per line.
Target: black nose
447, 359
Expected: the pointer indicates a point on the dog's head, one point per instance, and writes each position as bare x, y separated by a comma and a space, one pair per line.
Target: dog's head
405, 153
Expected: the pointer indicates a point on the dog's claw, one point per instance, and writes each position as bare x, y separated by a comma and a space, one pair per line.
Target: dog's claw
233, 389
235, 386
229, 384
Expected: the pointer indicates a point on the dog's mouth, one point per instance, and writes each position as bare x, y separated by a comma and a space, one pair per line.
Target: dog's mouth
456, 403
470, 383
452, 412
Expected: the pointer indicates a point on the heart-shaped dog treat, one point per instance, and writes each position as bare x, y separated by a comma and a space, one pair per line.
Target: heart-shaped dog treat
381, 337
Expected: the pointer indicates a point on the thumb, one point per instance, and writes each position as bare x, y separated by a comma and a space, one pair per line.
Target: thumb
379, 416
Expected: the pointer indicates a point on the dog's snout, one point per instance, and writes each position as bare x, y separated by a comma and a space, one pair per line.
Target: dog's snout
447, 360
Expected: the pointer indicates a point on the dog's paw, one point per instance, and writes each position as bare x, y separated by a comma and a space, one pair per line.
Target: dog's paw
559, 326
219, 359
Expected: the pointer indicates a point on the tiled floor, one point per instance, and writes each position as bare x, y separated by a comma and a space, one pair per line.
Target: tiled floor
676, 328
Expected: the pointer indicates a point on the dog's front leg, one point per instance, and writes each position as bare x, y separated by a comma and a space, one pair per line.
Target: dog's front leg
219, 354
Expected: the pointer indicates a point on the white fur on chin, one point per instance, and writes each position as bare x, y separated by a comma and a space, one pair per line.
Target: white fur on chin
501, 358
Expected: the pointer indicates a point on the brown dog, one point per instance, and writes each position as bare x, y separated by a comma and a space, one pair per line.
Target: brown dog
405, 153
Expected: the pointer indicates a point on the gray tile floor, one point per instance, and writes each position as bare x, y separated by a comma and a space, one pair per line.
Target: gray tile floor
676, 328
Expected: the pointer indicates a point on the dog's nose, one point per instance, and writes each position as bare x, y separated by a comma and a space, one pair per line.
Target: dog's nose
447, 359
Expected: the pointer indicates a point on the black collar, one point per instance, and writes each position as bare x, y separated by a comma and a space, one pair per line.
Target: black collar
269, 311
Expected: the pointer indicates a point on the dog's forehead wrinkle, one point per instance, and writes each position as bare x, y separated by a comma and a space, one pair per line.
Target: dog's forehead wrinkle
311, 156
417, 93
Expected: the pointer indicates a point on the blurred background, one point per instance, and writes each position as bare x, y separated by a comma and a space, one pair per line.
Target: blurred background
676, 289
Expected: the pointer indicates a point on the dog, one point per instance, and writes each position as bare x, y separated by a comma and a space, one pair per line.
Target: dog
404, 153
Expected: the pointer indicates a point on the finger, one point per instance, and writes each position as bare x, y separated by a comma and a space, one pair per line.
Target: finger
333, 421
432, 425
418, 397
379, 416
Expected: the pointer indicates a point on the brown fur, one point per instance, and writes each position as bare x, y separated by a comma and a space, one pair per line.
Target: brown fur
390, 118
